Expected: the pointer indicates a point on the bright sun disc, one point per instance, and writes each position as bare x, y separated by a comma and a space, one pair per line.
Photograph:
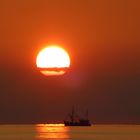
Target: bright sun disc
53, 60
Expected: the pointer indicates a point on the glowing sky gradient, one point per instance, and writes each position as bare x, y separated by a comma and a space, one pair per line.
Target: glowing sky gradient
102, 37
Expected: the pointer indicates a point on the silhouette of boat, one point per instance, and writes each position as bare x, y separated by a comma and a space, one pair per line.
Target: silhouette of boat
75, 120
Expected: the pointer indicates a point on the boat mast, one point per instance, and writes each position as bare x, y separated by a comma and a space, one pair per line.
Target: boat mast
87, 114
72, 114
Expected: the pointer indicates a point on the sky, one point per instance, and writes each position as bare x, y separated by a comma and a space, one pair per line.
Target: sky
103, 40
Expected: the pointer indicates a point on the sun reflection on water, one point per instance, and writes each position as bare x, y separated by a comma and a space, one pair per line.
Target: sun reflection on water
51, 131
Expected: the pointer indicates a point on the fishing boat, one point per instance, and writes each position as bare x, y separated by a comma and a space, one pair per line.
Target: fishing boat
75, 120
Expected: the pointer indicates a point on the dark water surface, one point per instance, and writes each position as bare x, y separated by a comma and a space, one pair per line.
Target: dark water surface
60, 132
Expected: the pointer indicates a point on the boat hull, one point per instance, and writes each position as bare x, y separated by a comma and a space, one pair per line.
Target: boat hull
76, 124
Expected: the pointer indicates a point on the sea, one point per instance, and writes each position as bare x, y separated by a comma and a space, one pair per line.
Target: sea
60, 132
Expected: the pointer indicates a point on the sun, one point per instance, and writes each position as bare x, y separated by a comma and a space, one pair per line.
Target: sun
53, 60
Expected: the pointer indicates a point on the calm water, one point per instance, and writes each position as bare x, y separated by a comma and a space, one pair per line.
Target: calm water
59, 132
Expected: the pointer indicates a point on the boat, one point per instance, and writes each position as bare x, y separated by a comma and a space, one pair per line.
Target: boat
75, 120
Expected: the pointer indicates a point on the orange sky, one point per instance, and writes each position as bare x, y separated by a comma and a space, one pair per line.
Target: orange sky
102, 36
87, 22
